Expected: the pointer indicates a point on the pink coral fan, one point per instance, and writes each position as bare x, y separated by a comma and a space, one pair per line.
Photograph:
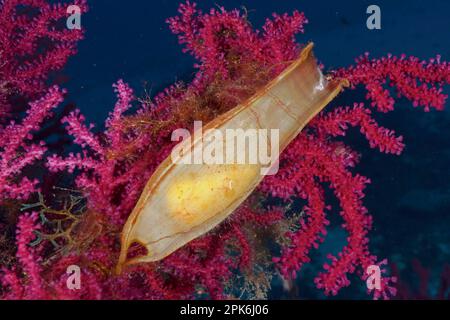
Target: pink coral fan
33, 44
32, 288
28, 282
17, 149
419, 81
234, 60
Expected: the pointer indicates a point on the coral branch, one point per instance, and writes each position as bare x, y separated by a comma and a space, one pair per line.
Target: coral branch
418, 81
33, 44
17, 149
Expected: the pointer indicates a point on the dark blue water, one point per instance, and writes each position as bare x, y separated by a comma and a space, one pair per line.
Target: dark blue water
410, 195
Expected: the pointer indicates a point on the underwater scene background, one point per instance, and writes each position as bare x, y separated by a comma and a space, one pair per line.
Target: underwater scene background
409, 196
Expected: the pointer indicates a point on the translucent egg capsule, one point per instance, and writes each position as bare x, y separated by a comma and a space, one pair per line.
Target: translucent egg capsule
185, 199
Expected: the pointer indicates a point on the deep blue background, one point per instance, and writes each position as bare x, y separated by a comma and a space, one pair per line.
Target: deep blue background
410, 195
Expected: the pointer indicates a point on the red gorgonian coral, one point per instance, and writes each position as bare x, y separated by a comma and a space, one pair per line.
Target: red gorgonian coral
17, 149
234, 61
33, 44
